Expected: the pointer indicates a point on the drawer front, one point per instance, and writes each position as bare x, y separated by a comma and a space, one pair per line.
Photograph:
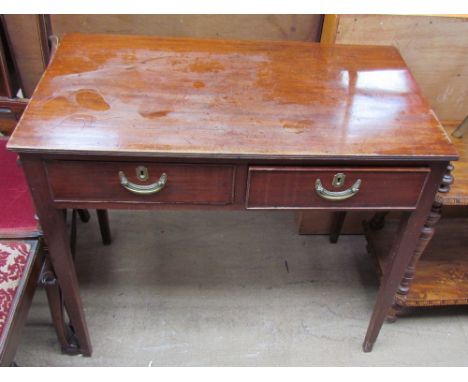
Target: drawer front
360, 188
101, 181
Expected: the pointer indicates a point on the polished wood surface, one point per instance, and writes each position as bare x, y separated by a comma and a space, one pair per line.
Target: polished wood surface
186, 183
294, 187
26, 34
320, 222
435, 48
149, 96
208, 111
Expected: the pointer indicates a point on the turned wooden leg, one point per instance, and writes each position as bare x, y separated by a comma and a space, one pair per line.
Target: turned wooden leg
103, 218
402, 250
427, 233
337, 225
73, 233
378, 220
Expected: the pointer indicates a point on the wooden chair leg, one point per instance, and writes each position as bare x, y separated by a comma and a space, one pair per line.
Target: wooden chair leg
378, 220
84, 215
103, 218
64, 331
73, 233
337, 225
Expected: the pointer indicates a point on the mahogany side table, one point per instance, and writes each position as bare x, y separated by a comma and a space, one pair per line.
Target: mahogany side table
136, 122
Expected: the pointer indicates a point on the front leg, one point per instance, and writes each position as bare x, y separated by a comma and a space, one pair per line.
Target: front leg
402, 250
425, 238
54, 228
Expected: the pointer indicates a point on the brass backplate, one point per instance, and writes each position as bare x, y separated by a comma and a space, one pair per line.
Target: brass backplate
142, 173
338, 180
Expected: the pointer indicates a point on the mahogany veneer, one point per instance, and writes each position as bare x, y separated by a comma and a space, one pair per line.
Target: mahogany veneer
149, 96
207, 111
294, 187
187, 183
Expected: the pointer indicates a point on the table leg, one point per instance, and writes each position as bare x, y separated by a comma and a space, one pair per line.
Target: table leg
425, 238
401, 253
104, 227
55, 233
337, 226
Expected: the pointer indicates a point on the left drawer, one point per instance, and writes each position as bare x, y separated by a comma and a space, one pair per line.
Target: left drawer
147, 182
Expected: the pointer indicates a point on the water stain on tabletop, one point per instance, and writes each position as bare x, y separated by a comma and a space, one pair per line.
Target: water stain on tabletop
79, 120
204, 66
59, 104
296, 127
91, 99
198, 84
154, 114
79, 62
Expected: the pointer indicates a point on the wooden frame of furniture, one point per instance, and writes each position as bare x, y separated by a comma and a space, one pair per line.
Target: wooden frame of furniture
38, 270
438, 272
9, 74
422, 40
10, 83
153, 123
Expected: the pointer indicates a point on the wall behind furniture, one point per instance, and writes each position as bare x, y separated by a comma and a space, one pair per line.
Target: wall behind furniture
436, 51
27, 43
24, 34
434, 47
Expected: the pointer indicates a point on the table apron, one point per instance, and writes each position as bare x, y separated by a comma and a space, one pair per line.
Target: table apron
207, 186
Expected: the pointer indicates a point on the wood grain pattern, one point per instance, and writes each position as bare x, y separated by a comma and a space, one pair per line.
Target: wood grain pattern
107, 99
24, 35
259, 27
27, 44
329, 29
99, 181
294, 187
150, 96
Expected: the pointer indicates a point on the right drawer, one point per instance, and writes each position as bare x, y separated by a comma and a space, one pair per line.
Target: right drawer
334, 187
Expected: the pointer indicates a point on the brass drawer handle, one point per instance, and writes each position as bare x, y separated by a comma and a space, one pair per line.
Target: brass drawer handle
337, 195
139, 189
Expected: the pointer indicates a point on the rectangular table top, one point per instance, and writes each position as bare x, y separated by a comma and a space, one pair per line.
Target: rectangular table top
166, 97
